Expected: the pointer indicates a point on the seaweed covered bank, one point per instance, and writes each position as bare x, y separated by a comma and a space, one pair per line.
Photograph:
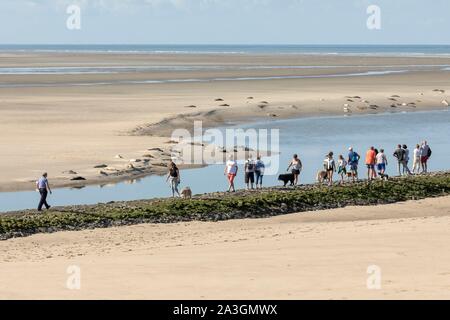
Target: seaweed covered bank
223, 206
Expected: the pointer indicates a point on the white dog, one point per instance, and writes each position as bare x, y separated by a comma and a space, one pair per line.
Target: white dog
186, 193
321, 176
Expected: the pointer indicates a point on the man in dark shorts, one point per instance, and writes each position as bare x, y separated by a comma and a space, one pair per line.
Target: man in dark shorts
250, 173
297, 166
353, 160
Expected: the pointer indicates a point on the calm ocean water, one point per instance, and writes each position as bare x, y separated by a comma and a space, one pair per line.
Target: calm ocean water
375, 70
419, 50
311, 138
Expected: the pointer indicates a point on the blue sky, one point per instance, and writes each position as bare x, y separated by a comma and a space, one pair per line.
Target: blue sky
225, 21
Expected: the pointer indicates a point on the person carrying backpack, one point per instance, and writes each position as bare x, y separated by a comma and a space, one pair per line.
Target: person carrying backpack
330, 167
425, 153
353, 160
250, 173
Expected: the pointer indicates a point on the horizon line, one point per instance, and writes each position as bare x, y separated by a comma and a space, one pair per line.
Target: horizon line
222, 44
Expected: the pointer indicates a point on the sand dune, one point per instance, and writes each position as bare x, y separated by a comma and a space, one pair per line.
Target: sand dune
310, 255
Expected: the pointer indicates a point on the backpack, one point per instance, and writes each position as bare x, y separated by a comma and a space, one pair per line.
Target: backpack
259, 166
354, 158
173, 172
328, 164
429, 152
250, 166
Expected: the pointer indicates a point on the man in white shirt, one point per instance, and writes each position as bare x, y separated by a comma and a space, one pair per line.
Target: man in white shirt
231, 170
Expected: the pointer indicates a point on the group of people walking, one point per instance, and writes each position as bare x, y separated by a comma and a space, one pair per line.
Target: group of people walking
376, 162
253, 169
253, 172
421, 154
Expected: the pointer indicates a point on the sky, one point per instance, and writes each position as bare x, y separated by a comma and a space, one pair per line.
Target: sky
225, 22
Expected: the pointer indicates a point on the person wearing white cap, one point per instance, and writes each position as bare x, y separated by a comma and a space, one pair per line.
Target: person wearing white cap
353, 160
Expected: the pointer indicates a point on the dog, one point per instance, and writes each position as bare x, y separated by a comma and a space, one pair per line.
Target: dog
286, 177
383, 176
321, 176
186, 193
351, 174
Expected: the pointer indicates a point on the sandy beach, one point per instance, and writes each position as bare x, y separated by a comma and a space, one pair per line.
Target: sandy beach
65, 123
95, 125
317, 255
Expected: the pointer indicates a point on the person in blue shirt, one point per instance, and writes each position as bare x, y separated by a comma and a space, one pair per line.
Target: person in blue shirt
43, 187
353, 160
259, 172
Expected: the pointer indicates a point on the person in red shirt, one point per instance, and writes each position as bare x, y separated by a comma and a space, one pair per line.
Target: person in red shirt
371, 156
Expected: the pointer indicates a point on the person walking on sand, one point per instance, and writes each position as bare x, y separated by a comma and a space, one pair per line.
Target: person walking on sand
296, 165
382, 162
230, 171
425, 156
43, 187
330, 167
370, 163
259, 172
399, 154
173, 177
249, 168
416, 159
342, 168
353, 160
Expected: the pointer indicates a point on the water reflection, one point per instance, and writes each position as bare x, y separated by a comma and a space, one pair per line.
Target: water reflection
311, 138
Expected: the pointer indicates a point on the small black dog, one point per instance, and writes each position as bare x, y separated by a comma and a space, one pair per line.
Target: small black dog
383, 176
287, 177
